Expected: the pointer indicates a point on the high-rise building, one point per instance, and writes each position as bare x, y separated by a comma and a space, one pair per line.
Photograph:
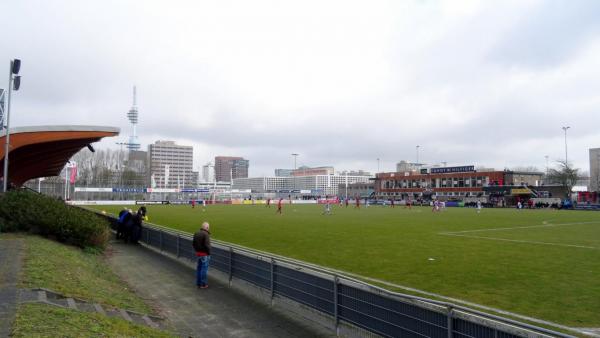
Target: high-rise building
355, 173
208, 172
171, 165
228, 167
315, 184
404, 166
594, 169
308, 171
283, 172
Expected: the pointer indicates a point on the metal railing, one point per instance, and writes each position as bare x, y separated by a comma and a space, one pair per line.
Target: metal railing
344, 299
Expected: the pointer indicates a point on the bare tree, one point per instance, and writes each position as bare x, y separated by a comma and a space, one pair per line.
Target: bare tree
527, 169
565, 175
99, 167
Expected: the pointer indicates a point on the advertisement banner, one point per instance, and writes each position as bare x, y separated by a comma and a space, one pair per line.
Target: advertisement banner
465, 168
195, 190
132, 190
77, 189
329, 200
151, 202
520, 191
158, 190
101, 202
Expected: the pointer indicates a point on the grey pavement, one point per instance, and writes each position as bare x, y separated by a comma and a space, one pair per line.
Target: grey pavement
218, 311
11, 260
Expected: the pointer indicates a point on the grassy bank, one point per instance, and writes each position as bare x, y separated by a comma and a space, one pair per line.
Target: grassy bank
80, 274
41, 320
76, 273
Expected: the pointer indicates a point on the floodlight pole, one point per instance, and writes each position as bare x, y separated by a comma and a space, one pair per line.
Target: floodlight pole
295, 168
7, 137
346, 185
566, 154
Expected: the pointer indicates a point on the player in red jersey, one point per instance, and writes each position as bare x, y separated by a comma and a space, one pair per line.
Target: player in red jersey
279, 211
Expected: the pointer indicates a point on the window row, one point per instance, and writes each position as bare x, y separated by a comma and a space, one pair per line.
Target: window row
457, 182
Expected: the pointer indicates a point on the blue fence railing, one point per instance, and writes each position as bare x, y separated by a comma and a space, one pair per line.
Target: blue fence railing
343, 298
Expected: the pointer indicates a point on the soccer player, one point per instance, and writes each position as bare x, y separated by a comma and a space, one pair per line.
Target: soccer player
346, 202
392, 203
268, 202
279, 206
193, 203
357, 206
436, 206
327, 208
478, 206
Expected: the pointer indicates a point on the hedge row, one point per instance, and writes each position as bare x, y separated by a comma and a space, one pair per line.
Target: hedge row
22, 210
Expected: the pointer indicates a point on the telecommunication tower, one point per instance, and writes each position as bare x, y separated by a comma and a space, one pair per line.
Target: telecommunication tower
132, 115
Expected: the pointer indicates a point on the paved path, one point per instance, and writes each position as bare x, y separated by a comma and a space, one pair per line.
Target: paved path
10, 267
214, 312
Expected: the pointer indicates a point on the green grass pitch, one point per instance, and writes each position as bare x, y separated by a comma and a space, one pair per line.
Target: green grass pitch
540, 263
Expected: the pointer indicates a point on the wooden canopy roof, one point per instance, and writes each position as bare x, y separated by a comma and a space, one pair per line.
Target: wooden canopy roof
43, 151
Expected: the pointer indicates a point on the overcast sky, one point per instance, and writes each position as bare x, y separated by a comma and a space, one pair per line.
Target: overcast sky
341, 83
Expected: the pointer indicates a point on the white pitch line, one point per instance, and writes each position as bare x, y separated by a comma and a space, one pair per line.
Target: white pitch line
519, 227
522, 241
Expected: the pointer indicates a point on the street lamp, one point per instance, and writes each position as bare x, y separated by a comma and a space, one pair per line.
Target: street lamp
418, 146
377, 164
566, 157
295, 157
295, 168
14, 82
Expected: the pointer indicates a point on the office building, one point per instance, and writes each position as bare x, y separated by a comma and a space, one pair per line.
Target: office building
309, 185
170, 165
283, 172
228, 167
208, 172
353, 190
308, 171
404, 166
355, 173
594, 169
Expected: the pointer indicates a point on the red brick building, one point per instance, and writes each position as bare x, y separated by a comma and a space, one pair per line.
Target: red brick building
448, 183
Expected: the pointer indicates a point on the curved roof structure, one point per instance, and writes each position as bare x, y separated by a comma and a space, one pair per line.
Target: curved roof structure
43, 151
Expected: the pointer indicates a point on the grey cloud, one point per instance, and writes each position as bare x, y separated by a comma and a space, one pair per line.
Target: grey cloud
547, 35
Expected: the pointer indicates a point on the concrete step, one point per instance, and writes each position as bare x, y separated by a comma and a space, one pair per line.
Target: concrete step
99, 309
125, 315
50, 297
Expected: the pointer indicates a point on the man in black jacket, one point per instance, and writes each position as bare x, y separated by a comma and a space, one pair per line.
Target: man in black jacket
136, 225
201, 245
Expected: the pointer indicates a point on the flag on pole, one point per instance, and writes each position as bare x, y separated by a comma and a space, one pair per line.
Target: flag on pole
73, 175
166, 182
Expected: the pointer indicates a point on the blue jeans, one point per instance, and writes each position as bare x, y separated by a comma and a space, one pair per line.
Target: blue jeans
202, 270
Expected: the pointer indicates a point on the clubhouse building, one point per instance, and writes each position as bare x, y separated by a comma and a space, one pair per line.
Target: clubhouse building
457, 183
